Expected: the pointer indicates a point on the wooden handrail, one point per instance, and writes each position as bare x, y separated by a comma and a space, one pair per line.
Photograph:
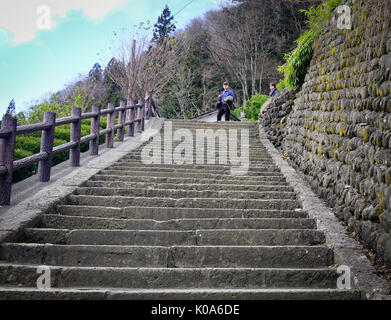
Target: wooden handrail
9, 130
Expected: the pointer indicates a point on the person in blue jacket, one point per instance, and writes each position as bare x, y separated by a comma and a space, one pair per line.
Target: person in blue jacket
273, 90
225, 104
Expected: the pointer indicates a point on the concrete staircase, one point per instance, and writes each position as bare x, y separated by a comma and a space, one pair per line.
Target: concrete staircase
137, 231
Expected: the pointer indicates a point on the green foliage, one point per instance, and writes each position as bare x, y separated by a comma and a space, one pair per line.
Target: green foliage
28, 143
281, 85
22, 174
251, 111
298, 61
35, 113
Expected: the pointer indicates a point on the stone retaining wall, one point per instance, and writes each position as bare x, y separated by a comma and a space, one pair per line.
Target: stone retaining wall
275, 116
339, 131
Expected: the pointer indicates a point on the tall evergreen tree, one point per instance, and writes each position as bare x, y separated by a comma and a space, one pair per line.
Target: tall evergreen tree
96, 72
113, 91
11, 108
164, 26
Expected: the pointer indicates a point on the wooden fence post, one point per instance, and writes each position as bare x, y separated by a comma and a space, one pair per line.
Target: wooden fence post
7, 149
110, 125
95, 128
142, 122
121, 121
47, 141
132, 118
74, 153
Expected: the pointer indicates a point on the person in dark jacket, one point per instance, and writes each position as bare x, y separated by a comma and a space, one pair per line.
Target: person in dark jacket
273, 90
225, 104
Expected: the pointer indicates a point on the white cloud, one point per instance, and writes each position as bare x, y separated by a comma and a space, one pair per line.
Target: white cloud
19, 17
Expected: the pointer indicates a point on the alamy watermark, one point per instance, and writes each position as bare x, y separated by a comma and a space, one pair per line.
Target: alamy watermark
190, 147
44, 280
344, 17
344, 282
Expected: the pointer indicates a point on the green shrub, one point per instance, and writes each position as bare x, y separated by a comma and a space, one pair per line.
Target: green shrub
28, 143
21, 174
21, 154
63, 133
251, 111
298, 61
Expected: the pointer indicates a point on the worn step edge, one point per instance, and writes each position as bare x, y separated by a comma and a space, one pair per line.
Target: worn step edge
140, 178
175, 193
177, 294
225, 278
75, 222
173, 256
254, 177
183, 202
165, 214
221, 237
186, 186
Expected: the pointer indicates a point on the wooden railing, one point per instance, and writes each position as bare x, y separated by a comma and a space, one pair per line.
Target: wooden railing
137, 111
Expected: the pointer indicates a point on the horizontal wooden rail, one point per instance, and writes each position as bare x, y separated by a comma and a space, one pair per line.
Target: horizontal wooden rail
31, 128
25, 162
87, 138
131, 115
67, 120
5, 133
64, 147
3, 170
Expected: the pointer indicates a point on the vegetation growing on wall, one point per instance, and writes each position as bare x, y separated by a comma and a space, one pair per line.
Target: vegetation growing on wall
298, 61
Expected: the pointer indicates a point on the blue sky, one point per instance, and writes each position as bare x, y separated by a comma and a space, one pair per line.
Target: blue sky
34, 62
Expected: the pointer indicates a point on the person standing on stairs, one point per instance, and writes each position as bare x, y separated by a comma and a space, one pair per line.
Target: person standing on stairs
225, 104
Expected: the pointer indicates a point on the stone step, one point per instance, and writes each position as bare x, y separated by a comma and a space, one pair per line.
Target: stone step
164, 214
176, 126
253, 161
226, 145
159, 278
177, 294
136, 160
184, 125
189, 169
253, 152
172, 257
196, 124
254, 175
195, 136
207, 167
251, 130
224, 180
116, 201
178, 193
214, 237
74, 222
194, 159
187, 186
